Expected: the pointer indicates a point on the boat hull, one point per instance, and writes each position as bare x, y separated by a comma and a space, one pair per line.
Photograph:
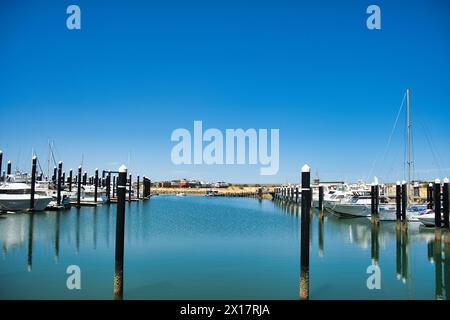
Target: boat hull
16, 202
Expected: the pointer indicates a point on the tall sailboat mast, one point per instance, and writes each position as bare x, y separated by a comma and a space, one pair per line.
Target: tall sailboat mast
408, 144
408, 128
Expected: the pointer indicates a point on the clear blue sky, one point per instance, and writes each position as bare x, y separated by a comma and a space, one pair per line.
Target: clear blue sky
137, 70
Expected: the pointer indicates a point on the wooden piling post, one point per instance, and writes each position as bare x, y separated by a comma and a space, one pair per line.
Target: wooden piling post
79, 187
137, 195
437, 203
8, 167
129, 190
96, 185
445, 206
320, 198
114, 187
430, 191
404, 200
84, 178
70, 180
108, 186
1, 161
305, 227
58, 183
398, 201
120, 232
33, 181
55, 174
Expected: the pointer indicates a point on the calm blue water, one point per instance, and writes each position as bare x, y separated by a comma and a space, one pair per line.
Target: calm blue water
215, 248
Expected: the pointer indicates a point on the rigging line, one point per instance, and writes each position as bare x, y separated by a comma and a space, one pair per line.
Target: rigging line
391, 135
436, 151
431, 147
51, 152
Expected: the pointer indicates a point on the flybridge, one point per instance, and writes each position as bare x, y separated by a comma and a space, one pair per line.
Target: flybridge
231, 151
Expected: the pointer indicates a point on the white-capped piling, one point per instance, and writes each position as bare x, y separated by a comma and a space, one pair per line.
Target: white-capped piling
430, 192
96, 185
58, 191
137, 195
120, 232
398, 201
320, 198
114, 187
33, 181
79, 187
305, 227
108, 186
70, 180
1, 161
8, 167
437, 203
129, 190
404, 200
445, 205
55, 173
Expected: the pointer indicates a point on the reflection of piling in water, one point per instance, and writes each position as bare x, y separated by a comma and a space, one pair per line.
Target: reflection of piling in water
398, 250
375, 245
405, 262
120, 231
77, 231
447, 270
95, 228
430, 251
305, 225
30, 242
321, 231
57, 227
438, 266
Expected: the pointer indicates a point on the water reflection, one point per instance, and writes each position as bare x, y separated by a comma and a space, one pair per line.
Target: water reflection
232, 234
440, 250
30, 242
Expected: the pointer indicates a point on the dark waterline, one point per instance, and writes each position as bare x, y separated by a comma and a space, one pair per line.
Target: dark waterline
216, 248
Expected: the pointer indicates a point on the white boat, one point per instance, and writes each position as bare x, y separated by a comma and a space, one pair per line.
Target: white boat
181, 194
15, 196
211, 193
412, 213
88, 194
427, 218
